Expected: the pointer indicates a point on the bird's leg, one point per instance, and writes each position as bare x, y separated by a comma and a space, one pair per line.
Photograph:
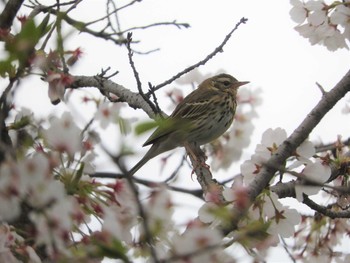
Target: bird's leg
196, 155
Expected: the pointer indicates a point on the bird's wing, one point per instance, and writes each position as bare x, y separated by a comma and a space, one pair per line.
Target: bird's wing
165, 127
191, 108
194, 105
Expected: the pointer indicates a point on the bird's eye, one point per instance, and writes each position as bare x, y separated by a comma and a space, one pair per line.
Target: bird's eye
226, 83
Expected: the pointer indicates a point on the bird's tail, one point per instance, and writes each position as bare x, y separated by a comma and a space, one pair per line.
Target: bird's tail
149, 155
138, 166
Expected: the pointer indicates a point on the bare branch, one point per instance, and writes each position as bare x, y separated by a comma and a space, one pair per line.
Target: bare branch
204, 176
105, 85
113, 12
321, 88
204, 61
141, 211
173, 23
151, 184
325, 210
137, 77
298, 136
9, 13
330, 146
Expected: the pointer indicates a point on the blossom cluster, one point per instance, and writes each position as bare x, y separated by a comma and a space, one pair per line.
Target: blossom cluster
322, 23
47, 198
319, 238
315, 171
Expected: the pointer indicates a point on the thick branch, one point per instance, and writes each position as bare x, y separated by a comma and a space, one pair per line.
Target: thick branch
204, 177
325, 210
134, 99
300, 134
9, 13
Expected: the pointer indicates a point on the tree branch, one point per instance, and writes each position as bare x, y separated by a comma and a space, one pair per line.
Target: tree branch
9, 13
151, 184
300, 134
204, 176
324, 210
137, 77
202, 62
105, 85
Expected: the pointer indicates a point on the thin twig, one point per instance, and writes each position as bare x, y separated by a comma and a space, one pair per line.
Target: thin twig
324, 210
186, 256
141, 211
60, 47
305, 181
321, 88
151, 90
112, 12
116, 31
204, 61
151, 184
285, 246
136, 75
175, 172
330, 146
146, 52
173, 23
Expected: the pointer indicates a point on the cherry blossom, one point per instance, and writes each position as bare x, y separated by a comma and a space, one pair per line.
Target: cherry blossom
159, 210
326, 25
299, 12
317, 173
63, 134
206, 212
120, 215
7, 241
54, 225
198, 238
107, 113
270, 141
283, 219
57, 86
118, 222
194, 76
10, 191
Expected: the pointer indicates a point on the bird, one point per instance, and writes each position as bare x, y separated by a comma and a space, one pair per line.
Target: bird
201, 117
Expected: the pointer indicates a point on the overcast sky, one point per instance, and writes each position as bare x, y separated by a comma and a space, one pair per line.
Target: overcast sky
267, 51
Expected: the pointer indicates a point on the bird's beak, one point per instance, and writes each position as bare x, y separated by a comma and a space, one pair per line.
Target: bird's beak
240, 83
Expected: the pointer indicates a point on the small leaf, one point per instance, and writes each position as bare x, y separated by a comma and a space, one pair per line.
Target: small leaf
145, 126
124, 126
7, 69
43, 27
114, 249
24, 121
22, 45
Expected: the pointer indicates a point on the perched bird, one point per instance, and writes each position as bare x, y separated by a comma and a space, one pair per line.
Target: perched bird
203, 116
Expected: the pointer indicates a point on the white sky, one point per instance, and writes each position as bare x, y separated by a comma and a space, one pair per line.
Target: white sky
266, 51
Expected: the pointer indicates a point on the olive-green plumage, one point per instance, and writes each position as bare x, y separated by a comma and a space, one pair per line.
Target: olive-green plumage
203, 116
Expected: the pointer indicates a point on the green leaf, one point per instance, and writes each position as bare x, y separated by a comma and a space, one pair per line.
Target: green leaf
145, 127
114, 249
21, 47
24, 121
7, 69
124, 126
44, 26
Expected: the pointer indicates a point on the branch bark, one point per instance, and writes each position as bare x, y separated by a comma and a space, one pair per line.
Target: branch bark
9, 13
105, 85
327, 102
